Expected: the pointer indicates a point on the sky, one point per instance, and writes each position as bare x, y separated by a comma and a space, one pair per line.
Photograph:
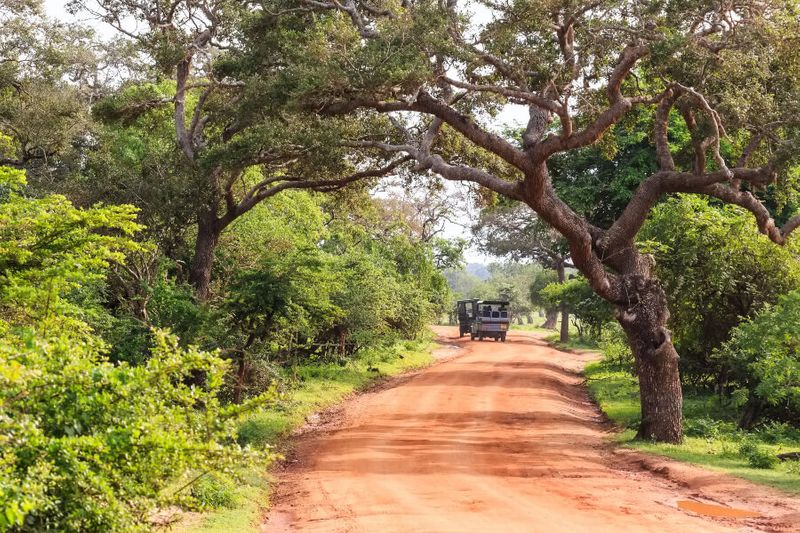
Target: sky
56, 10
511, 115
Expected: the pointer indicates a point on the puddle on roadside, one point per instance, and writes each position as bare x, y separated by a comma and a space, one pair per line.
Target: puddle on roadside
717, 511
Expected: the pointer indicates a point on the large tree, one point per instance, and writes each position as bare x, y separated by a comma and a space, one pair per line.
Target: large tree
235, 143
727, 71
49, 74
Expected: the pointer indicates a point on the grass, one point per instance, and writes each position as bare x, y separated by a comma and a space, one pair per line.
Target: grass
712, 439
552, 336
574, 343
531, 327
319, 386
537, 321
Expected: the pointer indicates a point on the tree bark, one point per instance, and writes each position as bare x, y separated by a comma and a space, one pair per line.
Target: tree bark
564, 333
208, 232
551, 316
644, 321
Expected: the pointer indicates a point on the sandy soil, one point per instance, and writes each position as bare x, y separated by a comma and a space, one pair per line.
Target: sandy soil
497, 437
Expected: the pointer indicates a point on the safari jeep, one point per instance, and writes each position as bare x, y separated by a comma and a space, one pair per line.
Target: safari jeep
466, 315
491, 320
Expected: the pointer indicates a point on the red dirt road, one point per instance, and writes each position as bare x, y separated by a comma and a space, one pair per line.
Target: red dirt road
500, 437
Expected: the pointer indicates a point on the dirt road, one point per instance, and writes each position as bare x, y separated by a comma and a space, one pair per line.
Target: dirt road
501, 437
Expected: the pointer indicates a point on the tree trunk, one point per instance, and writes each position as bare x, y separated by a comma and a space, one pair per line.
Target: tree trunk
752, 410
644, 322
208, 231
550, 320
564, 334
241, 377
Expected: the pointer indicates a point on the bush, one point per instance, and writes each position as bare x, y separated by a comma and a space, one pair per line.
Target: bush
213, 491
87, 444
764, 355
616, 350
774, 432
708, 428
756, 456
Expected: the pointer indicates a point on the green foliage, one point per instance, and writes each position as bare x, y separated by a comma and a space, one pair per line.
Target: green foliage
542, 280
590, 312
756, 456
774, 432
87, 444
707, 427
301, 283
85, 449
716, 269
134, 161
257, 432
512, 282
599, 181
764, 354
49, 249
616, 350
213, 491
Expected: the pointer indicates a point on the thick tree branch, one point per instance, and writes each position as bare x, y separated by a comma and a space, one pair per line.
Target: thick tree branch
661, 128
625, 228
764, 220
183, 71
515, 95
275, 184
427, 104
436, 163
467, 127
791, 225
619, 105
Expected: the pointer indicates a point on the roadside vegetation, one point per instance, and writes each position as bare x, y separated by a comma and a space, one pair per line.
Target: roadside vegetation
712, 439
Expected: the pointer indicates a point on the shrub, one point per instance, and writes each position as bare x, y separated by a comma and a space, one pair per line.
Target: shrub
756, 456
90, 445
715, 268
616, 350
213, 491
774, 432
87, 444
764, 354
707, 427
